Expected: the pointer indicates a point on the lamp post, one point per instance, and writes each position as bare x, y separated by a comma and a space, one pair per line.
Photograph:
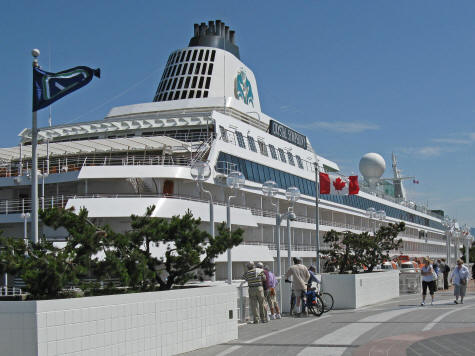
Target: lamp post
292, 194
43, 176
466, 240
200, 171
374, 215
449, 225
234, 180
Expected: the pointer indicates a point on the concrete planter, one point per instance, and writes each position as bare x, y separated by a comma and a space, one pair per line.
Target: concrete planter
352, 291
158, 323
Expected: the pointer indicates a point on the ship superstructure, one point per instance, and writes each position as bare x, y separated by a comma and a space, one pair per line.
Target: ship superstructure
206, 108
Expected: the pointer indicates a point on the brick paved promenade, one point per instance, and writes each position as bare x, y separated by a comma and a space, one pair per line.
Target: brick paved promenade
399, 327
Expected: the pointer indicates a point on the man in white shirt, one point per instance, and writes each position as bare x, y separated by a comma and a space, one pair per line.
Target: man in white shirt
459, 277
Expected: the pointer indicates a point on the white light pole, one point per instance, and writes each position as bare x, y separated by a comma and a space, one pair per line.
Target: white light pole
449, 225
43, 176
235, 180
292, 194
200, 171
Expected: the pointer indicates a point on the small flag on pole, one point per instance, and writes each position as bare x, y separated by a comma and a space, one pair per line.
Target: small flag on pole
49, 87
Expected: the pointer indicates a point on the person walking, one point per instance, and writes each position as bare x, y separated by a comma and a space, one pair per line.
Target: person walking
445, 269
460, 276
269, 293
300, 276
428, 281
255, 279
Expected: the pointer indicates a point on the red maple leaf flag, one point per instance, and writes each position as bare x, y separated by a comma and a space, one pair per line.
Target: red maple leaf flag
333, 184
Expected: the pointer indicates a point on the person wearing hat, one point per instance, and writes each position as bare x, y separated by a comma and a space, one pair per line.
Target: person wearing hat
300, 276
256, 278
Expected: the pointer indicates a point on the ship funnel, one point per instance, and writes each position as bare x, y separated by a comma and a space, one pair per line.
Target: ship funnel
215, 34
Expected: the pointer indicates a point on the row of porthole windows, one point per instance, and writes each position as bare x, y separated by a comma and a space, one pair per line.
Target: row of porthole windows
263, 148
193, 55
259, 173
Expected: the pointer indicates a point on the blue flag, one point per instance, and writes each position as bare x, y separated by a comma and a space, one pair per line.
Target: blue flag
49, 87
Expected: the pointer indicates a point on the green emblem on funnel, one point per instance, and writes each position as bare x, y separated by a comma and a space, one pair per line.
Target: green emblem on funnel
242, 88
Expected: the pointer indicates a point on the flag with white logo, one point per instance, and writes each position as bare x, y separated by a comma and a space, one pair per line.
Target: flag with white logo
49, 87
334, 184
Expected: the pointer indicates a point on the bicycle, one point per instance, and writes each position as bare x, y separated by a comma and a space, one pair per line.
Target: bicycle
326, 298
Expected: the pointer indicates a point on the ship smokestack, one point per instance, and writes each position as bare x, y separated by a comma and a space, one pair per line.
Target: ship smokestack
215, 34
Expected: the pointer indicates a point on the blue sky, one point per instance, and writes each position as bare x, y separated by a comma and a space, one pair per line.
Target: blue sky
354, 76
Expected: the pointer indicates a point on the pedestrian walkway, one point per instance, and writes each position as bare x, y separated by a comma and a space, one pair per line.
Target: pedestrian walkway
399, 327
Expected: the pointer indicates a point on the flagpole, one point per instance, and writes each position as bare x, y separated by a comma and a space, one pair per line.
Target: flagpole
34, 169
317, 216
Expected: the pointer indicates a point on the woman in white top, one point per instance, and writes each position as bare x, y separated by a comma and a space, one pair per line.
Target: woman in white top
427, 272
460, 276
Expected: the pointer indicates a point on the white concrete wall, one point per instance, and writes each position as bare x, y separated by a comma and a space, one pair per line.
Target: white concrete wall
165, 323
351, 291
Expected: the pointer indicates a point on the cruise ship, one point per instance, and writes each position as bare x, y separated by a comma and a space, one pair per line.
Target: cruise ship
206, 109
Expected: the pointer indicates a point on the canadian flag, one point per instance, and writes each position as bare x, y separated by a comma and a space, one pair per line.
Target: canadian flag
333, 184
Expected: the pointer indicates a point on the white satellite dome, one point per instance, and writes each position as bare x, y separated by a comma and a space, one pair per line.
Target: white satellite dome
372, 167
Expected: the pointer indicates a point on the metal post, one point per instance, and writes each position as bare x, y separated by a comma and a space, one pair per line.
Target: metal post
43, 192
278, 220
467, 251
317, 217
289, 243
230, 260
211, 218
34, 171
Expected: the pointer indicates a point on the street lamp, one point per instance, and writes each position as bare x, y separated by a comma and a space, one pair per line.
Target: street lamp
270, 189
200, 171
374, 215
234, 180
292, 194
449, 225
466, 239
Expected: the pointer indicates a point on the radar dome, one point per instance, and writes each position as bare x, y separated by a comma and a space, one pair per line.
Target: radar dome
372, 167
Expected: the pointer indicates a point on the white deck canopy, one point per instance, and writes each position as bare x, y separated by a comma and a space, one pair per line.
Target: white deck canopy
136, 143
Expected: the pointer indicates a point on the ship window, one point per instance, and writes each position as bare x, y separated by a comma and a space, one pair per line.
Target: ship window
198, 93
177, 95
299, 161
252, 143
207, 54
282, 155
203, 69
190, 70
183, 94
160, 97
200, 57
174, 83
194, 55
212, 55
188, 56
200, 85
240, 138
173, 71
169, 59
177, 56
262, 148
205, 94
187, 82
210, 68
168, 187
224, 135
192, 92
197, 68
184, 68
182, 56
180, 83
208, 80
168, 71
193, 84
170, 95
291, 158
178, 69
272, 152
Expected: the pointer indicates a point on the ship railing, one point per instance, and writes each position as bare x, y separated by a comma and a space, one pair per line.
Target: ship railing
75, 163
9, 291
